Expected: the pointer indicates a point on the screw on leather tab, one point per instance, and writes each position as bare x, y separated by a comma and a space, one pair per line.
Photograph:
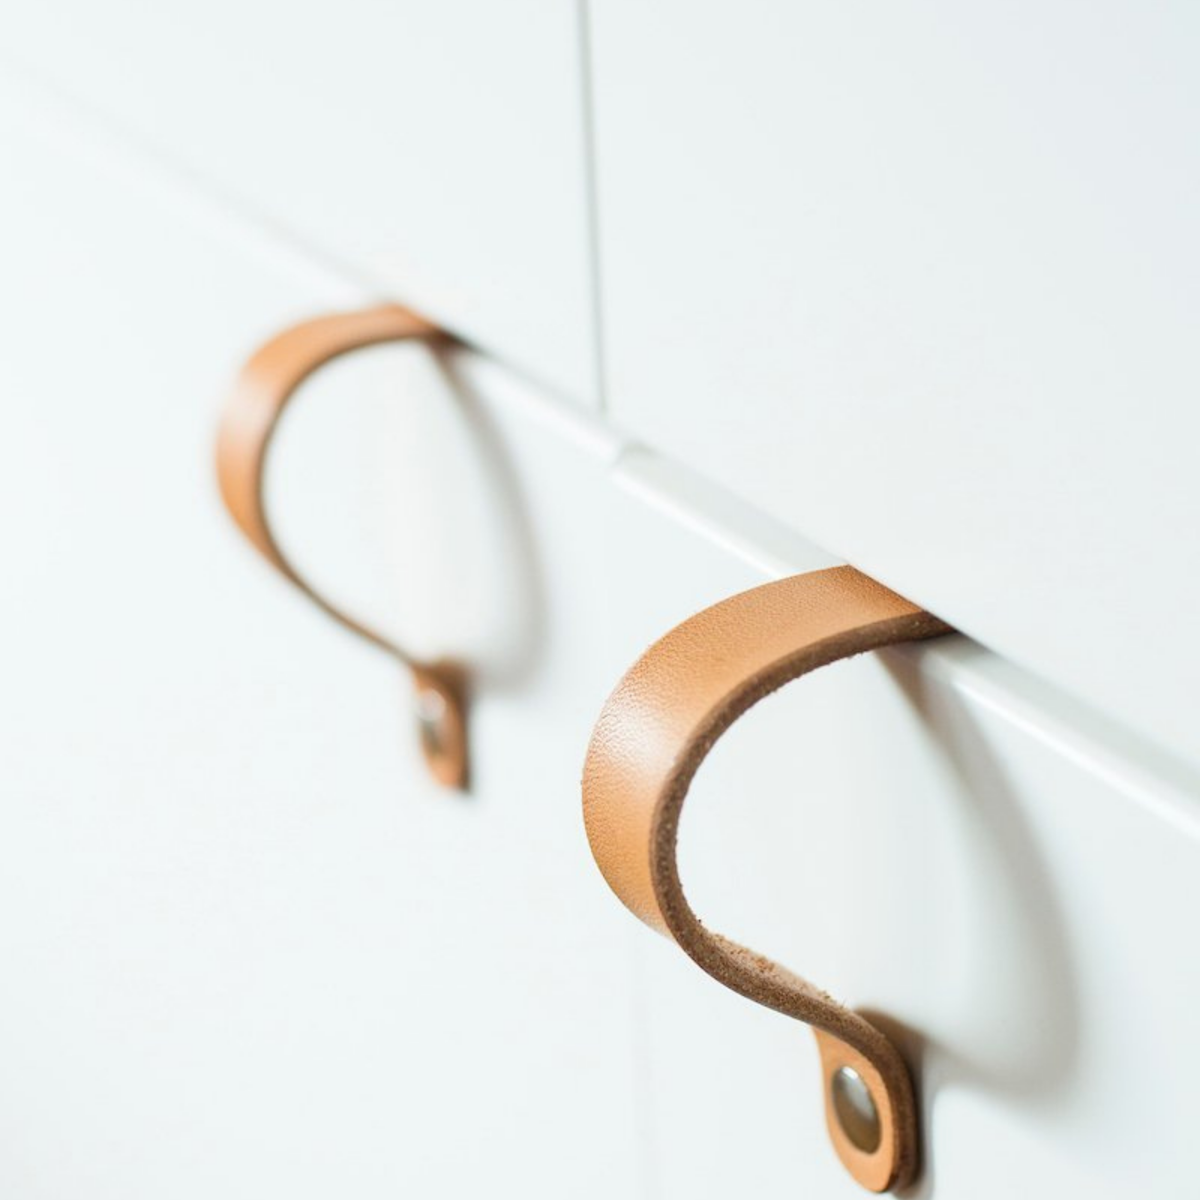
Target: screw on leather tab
652, 735
262, 391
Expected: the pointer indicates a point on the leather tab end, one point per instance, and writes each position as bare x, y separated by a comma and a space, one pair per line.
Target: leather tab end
440, 704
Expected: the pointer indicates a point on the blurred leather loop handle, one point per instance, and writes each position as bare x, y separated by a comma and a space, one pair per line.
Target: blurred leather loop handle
653, 734
267, 382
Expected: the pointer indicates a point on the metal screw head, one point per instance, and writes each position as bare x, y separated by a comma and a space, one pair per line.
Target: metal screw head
431, 715
855, 1109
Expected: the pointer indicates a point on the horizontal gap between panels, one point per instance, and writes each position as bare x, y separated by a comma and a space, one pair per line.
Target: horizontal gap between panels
1155, 779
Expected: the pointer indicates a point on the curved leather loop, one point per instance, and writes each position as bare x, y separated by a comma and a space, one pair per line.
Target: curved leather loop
654, 732
266, 383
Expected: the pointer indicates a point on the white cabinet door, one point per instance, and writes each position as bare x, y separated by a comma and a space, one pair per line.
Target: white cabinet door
248, 951
435, 149
931, 835
251, 952
923, 279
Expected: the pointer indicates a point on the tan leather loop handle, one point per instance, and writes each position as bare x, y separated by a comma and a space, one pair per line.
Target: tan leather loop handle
267, 382
654, 732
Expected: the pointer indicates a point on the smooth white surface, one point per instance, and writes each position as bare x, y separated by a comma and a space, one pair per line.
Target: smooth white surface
922, 280
247, 950
437, 150
250, 953
909, 832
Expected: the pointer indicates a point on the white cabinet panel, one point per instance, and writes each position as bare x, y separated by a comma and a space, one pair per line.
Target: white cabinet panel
923, 279
251, 952
436, 149
248, 950
928, 834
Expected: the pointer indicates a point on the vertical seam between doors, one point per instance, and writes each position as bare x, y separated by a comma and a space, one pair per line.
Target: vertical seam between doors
592, 202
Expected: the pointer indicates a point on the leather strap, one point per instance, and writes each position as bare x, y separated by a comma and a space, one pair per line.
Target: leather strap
261, 393
654, 732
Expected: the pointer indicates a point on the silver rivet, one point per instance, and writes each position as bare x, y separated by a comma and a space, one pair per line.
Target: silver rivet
855, 1109
431, 713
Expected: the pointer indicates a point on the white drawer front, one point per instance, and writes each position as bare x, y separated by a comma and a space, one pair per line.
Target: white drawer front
436, 149
251, 953
923, 280
248, 951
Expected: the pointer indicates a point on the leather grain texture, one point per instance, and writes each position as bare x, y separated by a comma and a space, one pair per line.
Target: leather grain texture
266, 384
652, 735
